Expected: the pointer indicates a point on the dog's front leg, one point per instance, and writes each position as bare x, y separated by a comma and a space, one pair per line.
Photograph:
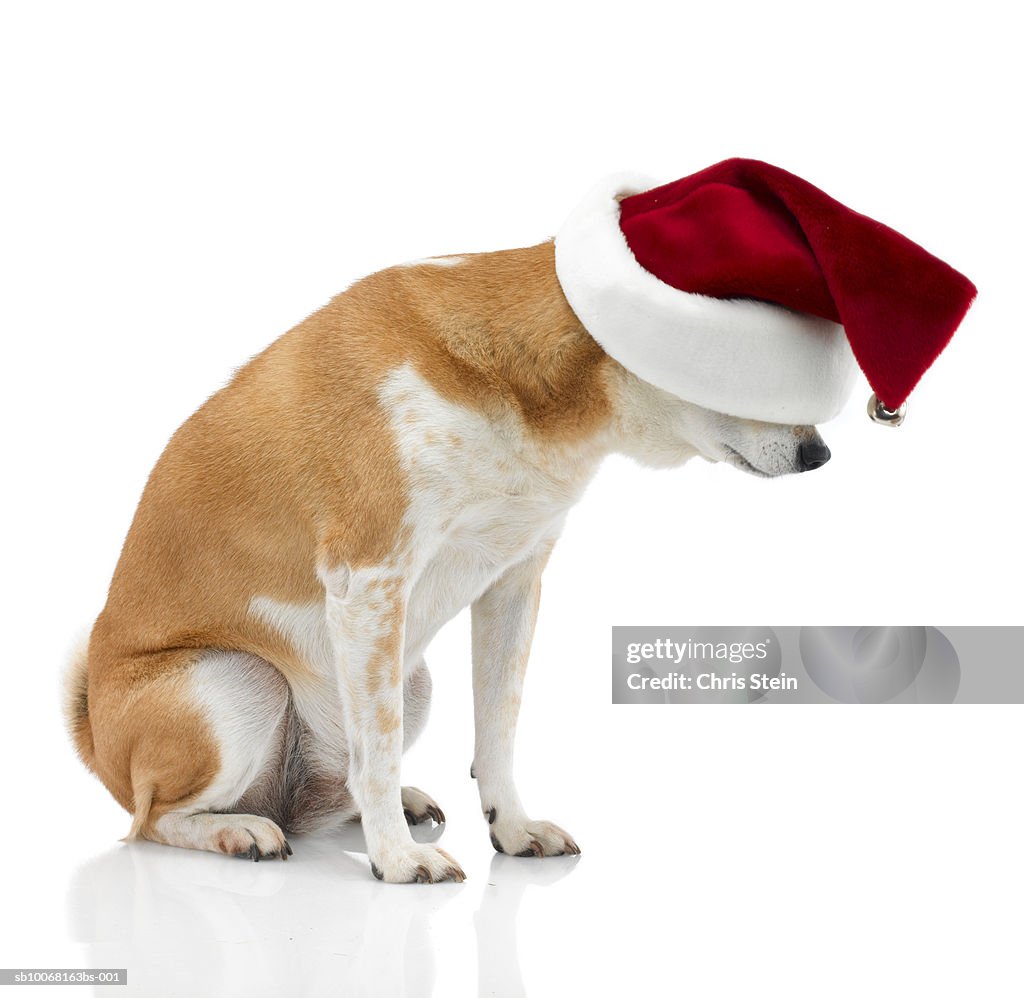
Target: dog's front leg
366, 619
503, 624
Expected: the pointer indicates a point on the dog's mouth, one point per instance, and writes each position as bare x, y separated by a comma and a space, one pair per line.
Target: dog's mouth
737, 460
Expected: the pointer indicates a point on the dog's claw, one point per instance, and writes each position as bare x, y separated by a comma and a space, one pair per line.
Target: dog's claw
432, 812
287, 850
375, 870
533, 849
254, 853
542, 839
420, 807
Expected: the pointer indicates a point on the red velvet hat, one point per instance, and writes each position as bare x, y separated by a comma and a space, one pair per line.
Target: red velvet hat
749, 291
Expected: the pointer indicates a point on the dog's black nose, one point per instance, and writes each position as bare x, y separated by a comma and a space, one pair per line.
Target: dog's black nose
813, 454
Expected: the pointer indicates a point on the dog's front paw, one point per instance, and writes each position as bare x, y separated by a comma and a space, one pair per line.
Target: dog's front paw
522, 837
416, 864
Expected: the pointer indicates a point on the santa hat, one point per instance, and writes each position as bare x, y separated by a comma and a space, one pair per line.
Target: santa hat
746, 290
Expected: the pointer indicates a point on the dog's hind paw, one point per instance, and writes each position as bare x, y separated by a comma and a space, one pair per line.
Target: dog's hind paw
419, 807
247, 835
253, 838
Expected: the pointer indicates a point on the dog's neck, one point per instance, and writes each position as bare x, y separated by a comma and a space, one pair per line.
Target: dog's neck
504, 322
503, 316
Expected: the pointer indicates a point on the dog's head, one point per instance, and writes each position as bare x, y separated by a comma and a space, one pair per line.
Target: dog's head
663, 430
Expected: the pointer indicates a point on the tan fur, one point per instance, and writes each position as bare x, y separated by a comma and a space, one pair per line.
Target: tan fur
293, 466
153, 749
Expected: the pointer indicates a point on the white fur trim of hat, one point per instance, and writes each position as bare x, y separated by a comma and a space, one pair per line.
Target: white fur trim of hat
737, 356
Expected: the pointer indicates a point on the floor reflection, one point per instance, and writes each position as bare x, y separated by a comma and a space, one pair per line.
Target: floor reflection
191, 923
186, 922
497, 942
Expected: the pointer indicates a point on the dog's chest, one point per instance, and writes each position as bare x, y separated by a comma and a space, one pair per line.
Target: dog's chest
480, 498
483, 539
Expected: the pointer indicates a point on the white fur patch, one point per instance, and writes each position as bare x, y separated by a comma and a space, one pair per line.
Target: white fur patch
483, 495
435, 261
740, 357
303, 625
243, 698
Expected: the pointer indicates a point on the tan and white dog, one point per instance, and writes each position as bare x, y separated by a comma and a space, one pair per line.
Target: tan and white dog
410, 449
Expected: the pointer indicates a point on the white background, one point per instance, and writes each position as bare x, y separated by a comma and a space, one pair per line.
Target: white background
183, 182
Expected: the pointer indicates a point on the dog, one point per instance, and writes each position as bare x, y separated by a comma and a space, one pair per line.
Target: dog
410, 449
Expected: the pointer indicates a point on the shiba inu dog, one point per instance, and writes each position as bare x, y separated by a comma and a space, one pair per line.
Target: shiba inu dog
409, 450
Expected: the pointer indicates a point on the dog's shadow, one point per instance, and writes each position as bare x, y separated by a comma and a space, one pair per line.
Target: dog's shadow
185, 922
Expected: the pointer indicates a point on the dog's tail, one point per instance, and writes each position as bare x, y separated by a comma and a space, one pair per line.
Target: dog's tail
76, 717
142, 803
76, 705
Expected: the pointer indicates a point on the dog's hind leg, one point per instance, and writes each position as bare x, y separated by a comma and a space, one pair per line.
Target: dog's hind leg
189, 742
244, 700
